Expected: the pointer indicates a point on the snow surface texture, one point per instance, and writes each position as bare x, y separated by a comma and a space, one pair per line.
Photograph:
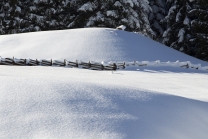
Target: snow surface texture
52, 103
68, 103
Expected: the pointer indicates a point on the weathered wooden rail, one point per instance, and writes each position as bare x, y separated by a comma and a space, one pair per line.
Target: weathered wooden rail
77, 64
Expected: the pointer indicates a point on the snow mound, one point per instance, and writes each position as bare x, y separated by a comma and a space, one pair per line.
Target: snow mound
121, 27
97, 44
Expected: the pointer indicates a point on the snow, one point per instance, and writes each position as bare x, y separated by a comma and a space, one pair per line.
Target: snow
111, 13
105, 45
32, 8
36, 1
72, 103
178, 16
130, 2
87, 7
171, 11
118, 4
99, 17
18, 9
48, 102
181, 35
122, 27
124, 20
186, 21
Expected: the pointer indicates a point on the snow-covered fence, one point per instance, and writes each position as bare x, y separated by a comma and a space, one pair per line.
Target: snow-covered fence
58, 63
65, 63
186, 64
31, 62
20, 62
84, 65
72, 64
97, 65
7, 61
120, 65
45, 62
112, 65
109, 66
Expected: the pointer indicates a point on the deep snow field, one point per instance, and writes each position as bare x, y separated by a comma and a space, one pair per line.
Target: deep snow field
146, 102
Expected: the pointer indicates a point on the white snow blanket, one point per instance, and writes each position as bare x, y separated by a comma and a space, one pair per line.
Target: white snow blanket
96, 44
147, 102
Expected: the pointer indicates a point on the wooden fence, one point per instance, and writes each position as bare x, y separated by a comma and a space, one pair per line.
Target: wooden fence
77, 64
95, 65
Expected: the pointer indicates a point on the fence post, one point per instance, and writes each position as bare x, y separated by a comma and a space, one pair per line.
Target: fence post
115, 66
77, 65
64, 62
51, 62
89, 65
102, 67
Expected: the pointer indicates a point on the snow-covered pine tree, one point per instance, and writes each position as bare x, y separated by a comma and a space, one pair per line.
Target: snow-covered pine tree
199, 27
111, 13
35, 15
178, 32
29, 15
11, 17
159, 11
1, 18
40, 13
6, 16
187, 28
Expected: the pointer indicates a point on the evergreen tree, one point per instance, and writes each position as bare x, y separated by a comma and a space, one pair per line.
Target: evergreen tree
187, 27
2, 14
178, 30
159, 11
199, 27
29, 15
133, 14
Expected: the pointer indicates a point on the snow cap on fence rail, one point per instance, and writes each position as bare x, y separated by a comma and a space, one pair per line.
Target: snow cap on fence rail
18, 60
93, 62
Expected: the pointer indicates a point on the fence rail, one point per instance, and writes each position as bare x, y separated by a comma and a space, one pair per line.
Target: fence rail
65, 63
95, 65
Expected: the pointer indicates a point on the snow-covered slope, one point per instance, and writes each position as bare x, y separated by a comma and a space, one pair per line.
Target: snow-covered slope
70, 103
97, 44
53, 103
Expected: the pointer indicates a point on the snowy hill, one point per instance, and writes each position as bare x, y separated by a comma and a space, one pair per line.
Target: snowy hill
95, 44
69, 103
